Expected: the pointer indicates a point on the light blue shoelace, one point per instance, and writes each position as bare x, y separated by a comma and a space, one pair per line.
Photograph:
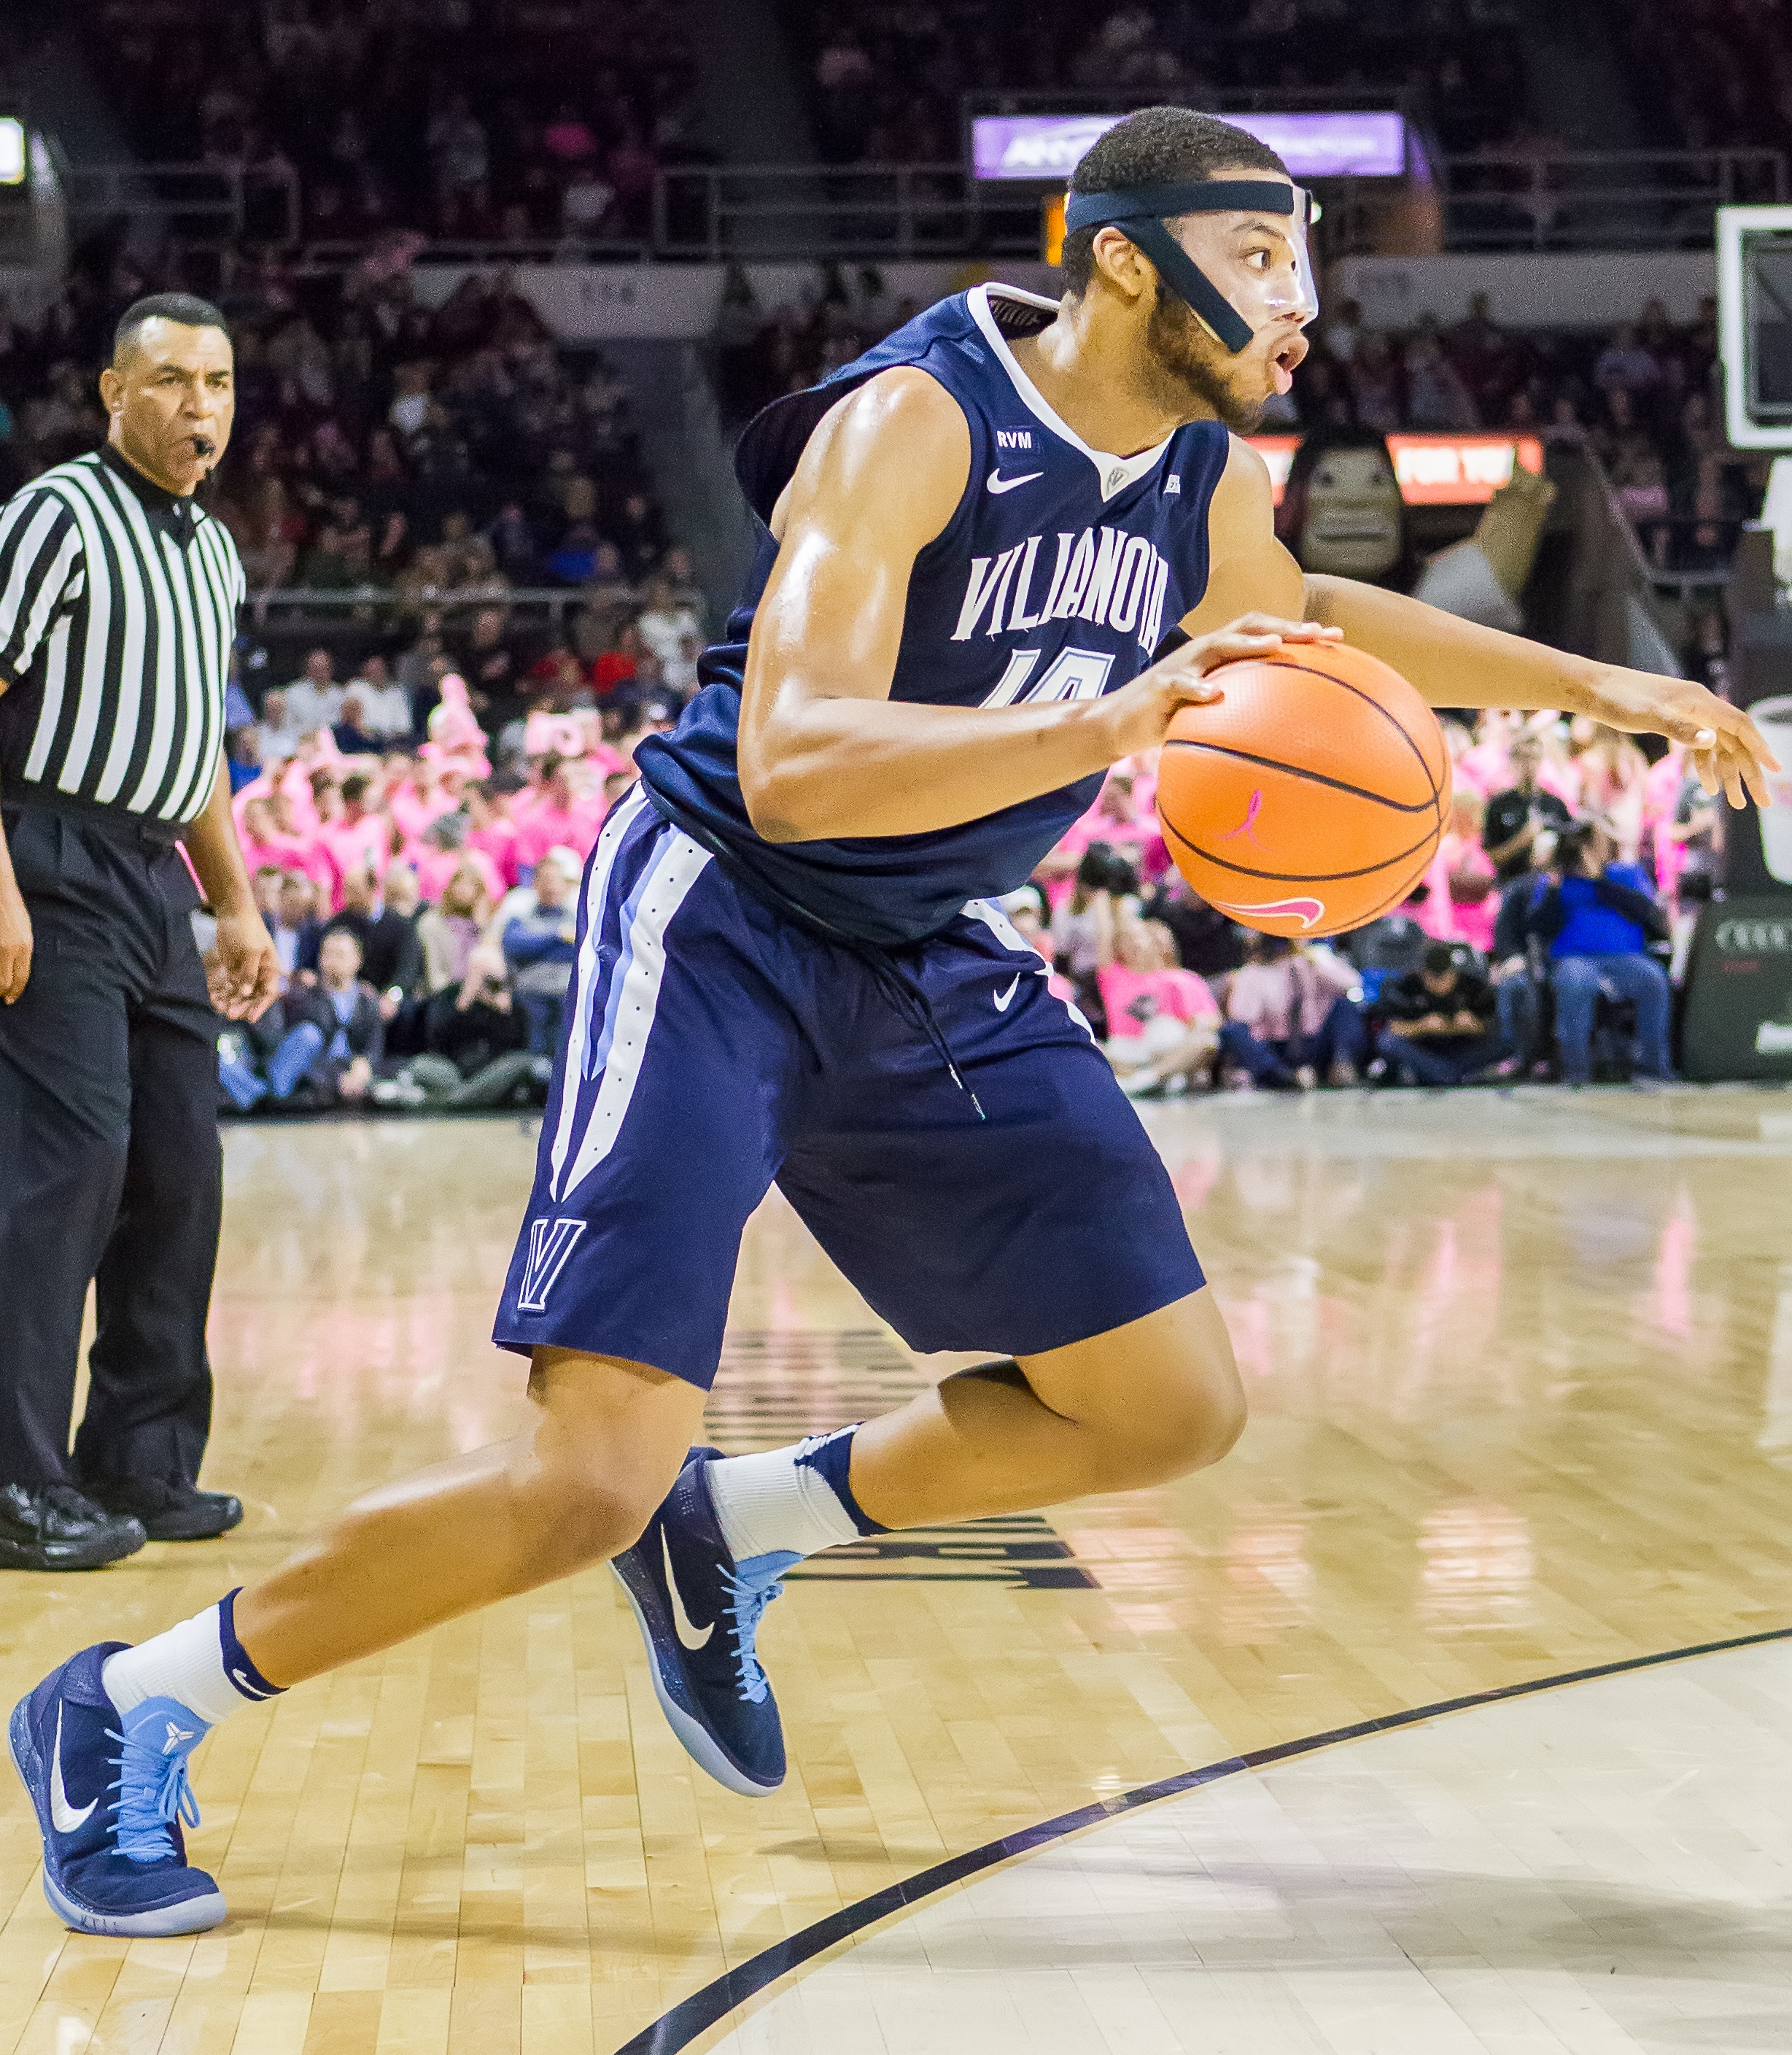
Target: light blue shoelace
153, 1792
748, 1599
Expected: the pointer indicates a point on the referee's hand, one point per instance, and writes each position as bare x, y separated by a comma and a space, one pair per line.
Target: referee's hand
242, 970
15, 940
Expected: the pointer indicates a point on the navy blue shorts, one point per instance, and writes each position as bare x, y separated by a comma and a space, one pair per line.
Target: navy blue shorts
713, 1047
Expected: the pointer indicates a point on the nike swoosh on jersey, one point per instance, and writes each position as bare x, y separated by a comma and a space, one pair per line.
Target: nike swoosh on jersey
65, 1818
1003, 998
688, 1630
998, 484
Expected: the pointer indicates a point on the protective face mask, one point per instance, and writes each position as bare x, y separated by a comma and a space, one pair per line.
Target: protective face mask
1234, 293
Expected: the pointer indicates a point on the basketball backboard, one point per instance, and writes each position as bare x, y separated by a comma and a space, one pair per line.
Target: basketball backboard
1755, 315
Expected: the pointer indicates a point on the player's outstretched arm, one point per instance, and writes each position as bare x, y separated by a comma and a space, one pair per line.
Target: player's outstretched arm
1460, 663
824, 751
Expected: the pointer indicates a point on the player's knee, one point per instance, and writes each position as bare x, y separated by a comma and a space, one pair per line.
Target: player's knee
1194, 1418
1206, 1421
591, 1516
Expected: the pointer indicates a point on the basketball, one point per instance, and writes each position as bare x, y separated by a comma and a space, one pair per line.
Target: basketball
1311, 798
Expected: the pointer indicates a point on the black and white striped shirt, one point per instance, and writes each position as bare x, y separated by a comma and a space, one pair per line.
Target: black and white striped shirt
118, 605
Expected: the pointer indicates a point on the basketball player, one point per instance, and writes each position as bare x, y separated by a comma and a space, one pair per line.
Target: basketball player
1001, 551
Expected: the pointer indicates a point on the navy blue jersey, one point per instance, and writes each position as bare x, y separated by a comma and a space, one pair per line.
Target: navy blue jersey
1057, 577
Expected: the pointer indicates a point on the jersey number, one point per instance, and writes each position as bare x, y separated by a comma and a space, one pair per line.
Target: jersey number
1073, 674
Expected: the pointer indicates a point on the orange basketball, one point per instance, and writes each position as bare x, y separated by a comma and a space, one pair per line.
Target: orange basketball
1312, 797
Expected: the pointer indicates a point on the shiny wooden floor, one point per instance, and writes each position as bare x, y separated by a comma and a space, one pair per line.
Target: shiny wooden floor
1522, 1377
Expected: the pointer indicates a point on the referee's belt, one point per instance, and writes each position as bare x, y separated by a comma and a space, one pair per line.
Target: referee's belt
114, 821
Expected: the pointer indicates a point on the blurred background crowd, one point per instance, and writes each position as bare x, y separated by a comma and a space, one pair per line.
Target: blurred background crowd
470, 600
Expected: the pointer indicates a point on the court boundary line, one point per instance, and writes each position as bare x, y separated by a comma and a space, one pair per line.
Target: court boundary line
708, 2007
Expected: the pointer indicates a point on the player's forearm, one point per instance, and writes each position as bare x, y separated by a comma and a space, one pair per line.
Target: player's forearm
816, 768
212, 842
1450, 662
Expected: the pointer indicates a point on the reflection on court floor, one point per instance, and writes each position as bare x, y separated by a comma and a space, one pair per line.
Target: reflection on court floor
1605, 1866
1520, 1372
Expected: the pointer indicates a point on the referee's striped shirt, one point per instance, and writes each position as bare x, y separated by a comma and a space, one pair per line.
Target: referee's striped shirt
118, 605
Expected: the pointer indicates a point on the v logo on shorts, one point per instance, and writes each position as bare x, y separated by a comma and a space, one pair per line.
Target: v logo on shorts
550, 1243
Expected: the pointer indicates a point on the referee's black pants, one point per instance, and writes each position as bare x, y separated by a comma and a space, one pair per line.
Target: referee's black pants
110, 1170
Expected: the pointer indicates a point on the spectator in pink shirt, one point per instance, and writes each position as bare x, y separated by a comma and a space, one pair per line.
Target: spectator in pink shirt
263, 845
419, 799
562, 816
1116, 818
491, 832
354, 837
1290, 1017
1163, 1023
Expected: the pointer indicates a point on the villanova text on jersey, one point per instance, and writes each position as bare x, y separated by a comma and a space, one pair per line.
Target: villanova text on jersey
1056, 578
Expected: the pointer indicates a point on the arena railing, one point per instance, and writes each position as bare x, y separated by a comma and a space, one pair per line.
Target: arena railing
864, 213
299, 607
197, 206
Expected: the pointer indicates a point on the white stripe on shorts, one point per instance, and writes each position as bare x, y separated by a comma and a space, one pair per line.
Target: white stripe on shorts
1011, 938
597, 886
677, 864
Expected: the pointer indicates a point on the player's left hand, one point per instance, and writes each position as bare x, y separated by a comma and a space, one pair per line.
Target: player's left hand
242, 970
1730, 755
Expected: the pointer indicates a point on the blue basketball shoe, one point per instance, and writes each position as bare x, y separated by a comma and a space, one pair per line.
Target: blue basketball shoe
111, 1792
698, 1612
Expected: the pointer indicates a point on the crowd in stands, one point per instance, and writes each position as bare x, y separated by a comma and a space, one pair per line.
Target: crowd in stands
386, 448
421, 898
517, 119
1641, 395
1716, 73
1545, 941
887, 81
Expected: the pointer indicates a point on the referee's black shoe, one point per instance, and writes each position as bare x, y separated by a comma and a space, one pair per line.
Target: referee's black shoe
170, 1508
55, 1527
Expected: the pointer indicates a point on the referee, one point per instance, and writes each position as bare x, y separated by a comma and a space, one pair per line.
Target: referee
118, 602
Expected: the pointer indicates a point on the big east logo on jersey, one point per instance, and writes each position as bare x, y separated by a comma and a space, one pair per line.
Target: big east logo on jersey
1103, 575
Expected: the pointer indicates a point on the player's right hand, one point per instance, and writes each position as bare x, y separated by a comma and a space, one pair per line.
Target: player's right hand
15, 942
1141, 713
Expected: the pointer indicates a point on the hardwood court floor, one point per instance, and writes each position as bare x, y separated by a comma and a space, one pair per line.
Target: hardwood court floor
1522, 1378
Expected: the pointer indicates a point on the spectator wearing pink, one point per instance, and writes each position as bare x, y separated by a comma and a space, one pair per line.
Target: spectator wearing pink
355, 837
1661, 798
264, 847
1291, 1018
442, 851
1115, 819
455, 737
1488, 766
1459, 742
1162, 1022
418, 800
1559, 772
1614, 784
562, 816
1460, 904
491, 833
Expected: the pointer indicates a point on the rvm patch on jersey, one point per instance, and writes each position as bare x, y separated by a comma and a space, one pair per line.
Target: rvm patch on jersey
1055, 579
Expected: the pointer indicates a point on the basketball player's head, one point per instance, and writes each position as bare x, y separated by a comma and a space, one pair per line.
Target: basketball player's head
170, 390
1190, 372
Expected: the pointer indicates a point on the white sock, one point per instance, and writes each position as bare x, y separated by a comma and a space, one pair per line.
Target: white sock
186, 1664
770, 1505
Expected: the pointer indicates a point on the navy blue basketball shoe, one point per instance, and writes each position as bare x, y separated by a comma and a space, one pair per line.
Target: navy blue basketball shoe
698, 1612
111, 1792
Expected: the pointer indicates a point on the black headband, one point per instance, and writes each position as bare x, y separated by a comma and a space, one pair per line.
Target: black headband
1140, 212
1098, 210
